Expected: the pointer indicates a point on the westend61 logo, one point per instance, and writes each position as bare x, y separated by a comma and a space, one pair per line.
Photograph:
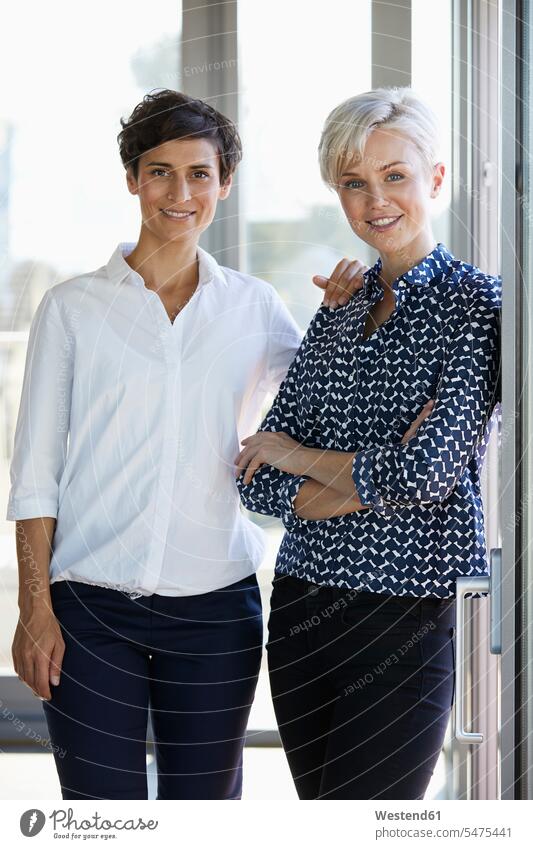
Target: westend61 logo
65, 824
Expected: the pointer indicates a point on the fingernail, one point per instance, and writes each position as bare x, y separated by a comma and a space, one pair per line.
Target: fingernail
333, 304
326, 302
55, 680
343, 301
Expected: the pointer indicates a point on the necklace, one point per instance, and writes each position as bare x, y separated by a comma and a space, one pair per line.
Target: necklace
178, 309
174, 313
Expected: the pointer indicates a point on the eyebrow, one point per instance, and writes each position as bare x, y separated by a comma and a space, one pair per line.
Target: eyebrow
168, 165
383, 168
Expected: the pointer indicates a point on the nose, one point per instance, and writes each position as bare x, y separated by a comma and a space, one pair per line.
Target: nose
179, 191
377, 199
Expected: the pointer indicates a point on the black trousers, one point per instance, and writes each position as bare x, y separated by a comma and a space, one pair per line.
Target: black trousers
362, 685
192, 660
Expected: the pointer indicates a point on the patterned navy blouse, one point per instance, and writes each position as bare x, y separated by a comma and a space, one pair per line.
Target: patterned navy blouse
424, 526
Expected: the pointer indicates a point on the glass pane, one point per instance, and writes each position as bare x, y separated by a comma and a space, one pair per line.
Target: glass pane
294, 226
431, 69
64, 204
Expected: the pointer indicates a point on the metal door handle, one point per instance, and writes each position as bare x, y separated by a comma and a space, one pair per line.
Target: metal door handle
478, 584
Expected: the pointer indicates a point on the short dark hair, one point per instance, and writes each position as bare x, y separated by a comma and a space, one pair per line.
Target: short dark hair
164, 115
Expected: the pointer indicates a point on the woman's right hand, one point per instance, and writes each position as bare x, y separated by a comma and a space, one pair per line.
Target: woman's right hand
422, 416
38, 649
346, 279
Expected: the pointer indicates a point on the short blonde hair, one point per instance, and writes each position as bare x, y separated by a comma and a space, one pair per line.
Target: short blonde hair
348, 126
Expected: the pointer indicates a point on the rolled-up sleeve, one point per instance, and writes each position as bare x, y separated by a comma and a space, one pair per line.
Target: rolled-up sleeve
289, 490
41, 434
427, 468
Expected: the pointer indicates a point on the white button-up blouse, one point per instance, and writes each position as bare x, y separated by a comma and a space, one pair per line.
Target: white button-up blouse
129, 425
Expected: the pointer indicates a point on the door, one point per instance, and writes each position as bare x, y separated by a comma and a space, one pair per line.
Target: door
492, 743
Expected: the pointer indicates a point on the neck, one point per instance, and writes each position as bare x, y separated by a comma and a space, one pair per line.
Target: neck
393, 265
167, 267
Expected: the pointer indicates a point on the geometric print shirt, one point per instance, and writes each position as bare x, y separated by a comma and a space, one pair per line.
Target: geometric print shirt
422, 526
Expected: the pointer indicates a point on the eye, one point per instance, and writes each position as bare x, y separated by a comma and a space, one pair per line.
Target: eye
353, 184
158, 171
200, 174
395, 175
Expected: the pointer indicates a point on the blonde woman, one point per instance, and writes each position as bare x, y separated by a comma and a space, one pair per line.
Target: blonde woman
378, 527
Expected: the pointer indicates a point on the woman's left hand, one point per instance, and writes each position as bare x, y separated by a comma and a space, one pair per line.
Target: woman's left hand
267, 448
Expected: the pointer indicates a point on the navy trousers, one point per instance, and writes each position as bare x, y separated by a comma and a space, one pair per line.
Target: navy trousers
363, 686
193, 661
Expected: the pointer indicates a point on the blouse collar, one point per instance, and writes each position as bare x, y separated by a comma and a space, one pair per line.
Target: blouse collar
432, 266
118, 269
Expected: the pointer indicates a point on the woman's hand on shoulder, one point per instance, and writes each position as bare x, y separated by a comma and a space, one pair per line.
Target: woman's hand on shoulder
345, 280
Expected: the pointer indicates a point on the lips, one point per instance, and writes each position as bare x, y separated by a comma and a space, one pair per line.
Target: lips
178, 215
385, 222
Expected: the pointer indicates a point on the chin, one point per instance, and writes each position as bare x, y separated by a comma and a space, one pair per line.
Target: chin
179, 237
388, 242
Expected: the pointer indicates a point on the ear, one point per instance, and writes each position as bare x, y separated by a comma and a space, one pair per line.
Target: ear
225, 189
439, 172
131, 182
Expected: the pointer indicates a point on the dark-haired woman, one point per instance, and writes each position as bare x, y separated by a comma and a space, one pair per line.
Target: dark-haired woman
137, 566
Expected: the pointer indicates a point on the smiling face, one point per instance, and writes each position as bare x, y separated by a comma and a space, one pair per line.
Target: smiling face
178, 184
386, 194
